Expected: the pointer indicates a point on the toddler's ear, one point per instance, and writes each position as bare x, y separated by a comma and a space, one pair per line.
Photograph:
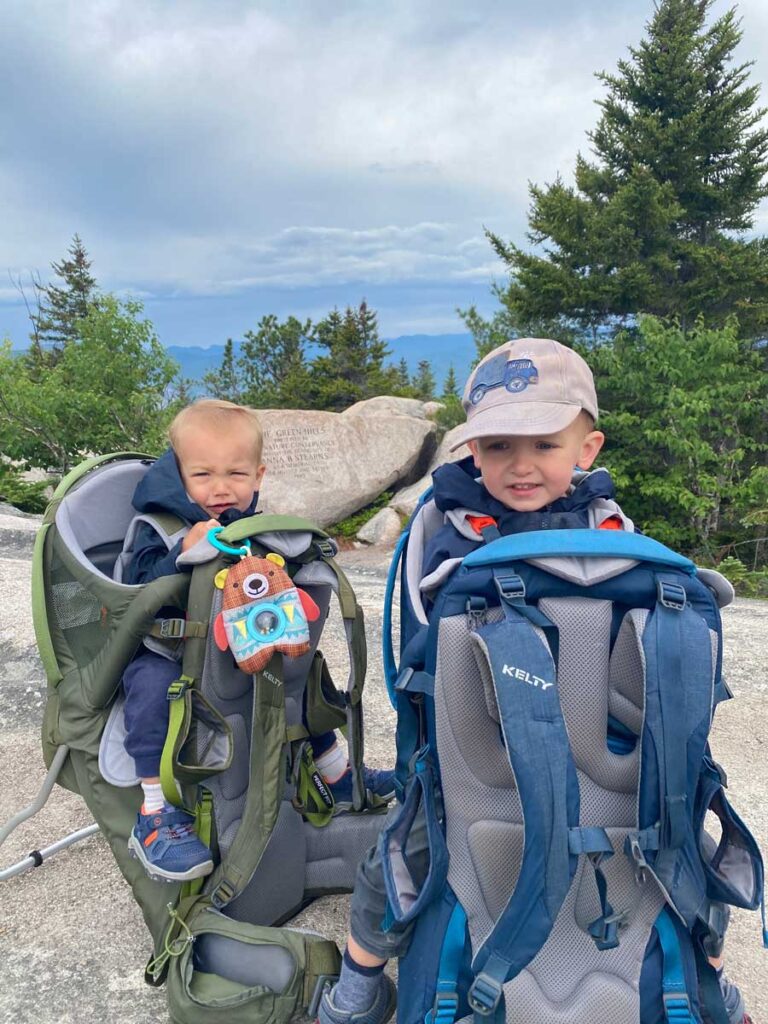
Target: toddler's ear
590, 448
473, 447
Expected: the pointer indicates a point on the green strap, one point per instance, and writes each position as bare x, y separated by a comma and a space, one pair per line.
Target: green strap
313, 799
204, 830
296, 732
178, 629
252, 526
177, 710
323, 960
265, 786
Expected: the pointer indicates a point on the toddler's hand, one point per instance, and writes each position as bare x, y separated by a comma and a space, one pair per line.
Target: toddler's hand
196, 533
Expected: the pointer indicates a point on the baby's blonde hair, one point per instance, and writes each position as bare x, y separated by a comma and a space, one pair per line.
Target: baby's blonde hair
221, 417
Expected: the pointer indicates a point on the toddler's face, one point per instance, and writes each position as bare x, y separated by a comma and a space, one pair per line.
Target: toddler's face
528, 473
219, 471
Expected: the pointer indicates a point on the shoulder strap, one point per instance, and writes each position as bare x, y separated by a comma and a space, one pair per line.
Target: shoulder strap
536, 741
168, 527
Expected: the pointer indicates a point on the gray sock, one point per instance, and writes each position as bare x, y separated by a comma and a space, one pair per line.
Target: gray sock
357, 986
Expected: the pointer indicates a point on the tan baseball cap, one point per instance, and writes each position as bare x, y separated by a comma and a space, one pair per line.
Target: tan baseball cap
526, 386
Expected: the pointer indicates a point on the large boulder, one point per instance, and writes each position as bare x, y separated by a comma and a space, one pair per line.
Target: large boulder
387, 405
382, 530
325, 465
405, 500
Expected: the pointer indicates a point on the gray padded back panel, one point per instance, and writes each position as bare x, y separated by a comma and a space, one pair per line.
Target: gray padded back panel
569, 981
299, 859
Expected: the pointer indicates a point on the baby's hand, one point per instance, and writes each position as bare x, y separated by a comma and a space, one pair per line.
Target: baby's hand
196, 533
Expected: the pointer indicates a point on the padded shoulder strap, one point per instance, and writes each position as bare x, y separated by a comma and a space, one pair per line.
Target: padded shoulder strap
168, 527
536, 740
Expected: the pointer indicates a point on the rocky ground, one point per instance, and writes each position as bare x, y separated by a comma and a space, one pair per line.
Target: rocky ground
72, 940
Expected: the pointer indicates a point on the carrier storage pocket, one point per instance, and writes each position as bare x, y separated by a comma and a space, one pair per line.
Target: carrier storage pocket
199, 740
325, 707
414, 855
241, 973
733, 866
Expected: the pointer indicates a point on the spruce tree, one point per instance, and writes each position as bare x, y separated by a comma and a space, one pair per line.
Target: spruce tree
271, 368
450, 385
423, 382
62, 307
352, 367
655, 223
224, 382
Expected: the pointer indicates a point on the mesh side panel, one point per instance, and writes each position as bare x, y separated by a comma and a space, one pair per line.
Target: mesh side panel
73, 605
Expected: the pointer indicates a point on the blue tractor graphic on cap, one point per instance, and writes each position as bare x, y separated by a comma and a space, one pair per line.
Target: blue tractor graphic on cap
513, 374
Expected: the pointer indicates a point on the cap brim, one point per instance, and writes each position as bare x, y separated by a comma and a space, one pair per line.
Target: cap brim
523, 420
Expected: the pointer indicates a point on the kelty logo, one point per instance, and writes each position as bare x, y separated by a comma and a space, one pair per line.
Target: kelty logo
272, 679
526, 677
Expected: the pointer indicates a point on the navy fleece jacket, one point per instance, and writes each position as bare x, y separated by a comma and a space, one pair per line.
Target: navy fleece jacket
457, 485
162, 490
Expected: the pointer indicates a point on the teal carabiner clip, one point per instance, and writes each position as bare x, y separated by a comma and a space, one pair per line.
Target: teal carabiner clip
213, 538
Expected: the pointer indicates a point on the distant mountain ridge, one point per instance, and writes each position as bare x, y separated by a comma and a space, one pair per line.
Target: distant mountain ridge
442, 351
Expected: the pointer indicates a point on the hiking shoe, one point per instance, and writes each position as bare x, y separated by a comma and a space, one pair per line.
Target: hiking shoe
733, 1001
167, 846
380, 783
379, 1012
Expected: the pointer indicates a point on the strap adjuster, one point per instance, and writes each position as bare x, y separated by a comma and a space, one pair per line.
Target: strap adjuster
222, 894
177, 689
322, 985
671, 595
326, 547
401, 683
485, 994
444, 1008
677, 1006
172, 629
511, 588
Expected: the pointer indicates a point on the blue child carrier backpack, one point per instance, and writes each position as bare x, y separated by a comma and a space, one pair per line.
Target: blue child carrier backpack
553, 723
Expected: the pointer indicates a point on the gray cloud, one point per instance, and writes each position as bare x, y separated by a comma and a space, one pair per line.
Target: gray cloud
205, 148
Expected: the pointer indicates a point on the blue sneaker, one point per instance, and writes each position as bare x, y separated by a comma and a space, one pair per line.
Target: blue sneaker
379, 783
167, 846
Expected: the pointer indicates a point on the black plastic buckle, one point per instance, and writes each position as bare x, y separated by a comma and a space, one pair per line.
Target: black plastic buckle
445, 1008
177, 689
671, 595
401, 683
222, 894
510, 588
484, 995
323, 983
677, 1006
172, 629
326, 547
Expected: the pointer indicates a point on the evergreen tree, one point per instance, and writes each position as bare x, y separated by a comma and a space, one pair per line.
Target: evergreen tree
224, 383
450, 386
352, 367
271, 370
61, 307
655, 223
423, 382
403, 376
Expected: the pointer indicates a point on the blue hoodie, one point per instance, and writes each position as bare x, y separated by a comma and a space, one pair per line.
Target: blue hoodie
162, 490
456, 485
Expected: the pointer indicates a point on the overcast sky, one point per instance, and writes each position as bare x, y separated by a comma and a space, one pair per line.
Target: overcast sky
223, 159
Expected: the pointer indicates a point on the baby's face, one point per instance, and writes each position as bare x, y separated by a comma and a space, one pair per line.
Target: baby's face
219, 471
528, 473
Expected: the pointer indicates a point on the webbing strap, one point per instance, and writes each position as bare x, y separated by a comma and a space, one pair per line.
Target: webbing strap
204, 830
177, 629
446, 1004
265, 786
536, 741
669, 648
388, 650
176, 712
677, 1005
594, 843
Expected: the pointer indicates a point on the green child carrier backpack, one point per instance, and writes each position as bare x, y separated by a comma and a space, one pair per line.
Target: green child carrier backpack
554, 710
237, 751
